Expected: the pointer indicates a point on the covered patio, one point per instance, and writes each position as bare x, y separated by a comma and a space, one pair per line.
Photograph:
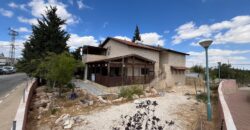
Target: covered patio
122, 70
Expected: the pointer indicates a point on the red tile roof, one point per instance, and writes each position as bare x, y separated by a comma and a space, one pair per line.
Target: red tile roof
129, 43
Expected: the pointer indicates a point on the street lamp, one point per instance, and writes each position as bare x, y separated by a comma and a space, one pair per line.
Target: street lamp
219, 64
206, 44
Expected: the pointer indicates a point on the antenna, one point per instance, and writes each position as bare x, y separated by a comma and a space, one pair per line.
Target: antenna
13, 35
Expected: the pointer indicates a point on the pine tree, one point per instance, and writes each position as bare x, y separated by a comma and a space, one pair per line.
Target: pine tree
136, 35
47, 37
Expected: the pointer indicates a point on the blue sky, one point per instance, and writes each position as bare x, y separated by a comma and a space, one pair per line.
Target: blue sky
175, 24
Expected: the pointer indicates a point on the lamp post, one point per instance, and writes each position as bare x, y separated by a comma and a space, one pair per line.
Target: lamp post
219, 64
206, 44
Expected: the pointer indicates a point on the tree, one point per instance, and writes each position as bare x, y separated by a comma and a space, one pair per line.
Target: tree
77, 53
59, 69
197, 69
47, 36
136, 35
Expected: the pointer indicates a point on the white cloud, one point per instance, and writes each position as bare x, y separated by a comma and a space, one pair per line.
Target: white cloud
217, 55
13, 5
152, 38
6, 13
16, 6
32, 21
77, 41
38, 7
123, 38
236, 30
81, 5
23, 29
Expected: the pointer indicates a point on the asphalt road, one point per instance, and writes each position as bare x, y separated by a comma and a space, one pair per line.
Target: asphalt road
9, 82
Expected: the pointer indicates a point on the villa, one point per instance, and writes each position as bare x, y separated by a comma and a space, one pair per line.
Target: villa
118, 62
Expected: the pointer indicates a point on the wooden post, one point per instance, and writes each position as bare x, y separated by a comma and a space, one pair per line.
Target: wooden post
133, 74
100, 69
145, 74
108, 68
122, 70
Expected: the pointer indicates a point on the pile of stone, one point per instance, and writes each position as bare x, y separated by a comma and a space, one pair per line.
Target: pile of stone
41, 101
66, 121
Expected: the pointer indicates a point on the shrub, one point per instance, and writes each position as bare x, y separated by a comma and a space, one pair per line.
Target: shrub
202, 97
130, 91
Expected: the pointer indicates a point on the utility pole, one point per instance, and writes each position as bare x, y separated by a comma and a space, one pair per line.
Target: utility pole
13, 35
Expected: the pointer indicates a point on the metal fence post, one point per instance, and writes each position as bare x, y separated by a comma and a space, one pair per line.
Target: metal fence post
14, 125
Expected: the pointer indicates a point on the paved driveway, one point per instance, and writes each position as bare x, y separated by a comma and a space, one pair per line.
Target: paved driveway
90, 88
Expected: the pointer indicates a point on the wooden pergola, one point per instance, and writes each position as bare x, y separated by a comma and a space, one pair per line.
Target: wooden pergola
122, 70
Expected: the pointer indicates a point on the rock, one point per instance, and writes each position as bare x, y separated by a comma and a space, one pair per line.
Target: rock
100, 99
52, 116
147, 94
68, 123
45, 101
142, 96
147, 89
40, 89
78, 119
135, 96
62, 118
187, 94
118, 100
153, 91
39, 117
90, 103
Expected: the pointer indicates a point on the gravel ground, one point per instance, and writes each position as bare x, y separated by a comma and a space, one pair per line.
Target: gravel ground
169, 106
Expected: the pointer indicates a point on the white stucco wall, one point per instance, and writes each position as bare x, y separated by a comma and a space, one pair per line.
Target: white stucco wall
168, 59
118, 49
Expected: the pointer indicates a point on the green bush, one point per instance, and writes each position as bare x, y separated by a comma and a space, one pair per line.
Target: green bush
130, 91
202, 97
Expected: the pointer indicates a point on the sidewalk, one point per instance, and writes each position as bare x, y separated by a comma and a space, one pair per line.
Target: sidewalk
9, 105
238, 102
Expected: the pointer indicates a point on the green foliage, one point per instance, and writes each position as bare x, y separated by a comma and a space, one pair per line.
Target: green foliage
197, 69
58, 69
77, 53
202, 97
130, 91
136, 34
226, 72
48, 36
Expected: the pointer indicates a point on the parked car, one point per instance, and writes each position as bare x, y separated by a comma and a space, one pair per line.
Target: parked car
9, 69
4, 71
1, 71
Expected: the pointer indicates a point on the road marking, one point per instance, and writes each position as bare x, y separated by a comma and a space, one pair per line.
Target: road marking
1, 101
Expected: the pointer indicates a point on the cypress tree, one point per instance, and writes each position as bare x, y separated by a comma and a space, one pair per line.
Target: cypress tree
47, 37
136, 35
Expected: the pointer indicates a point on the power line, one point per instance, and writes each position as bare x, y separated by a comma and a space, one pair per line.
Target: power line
13, 35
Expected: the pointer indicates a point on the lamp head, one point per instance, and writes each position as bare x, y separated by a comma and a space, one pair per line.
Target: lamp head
205, 43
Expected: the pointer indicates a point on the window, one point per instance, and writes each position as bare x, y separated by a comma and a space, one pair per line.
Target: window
144, 71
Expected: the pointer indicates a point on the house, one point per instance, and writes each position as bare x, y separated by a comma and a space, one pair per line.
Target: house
118, 62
